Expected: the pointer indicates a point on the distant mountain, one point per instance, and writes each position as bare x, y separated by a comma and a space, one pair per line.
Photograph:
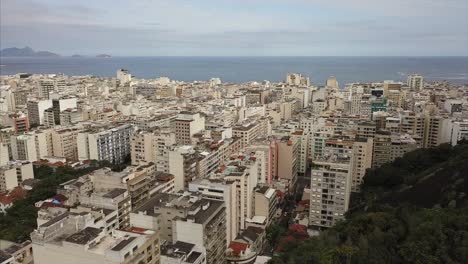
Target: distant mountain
25, 52
77, 56
103, 56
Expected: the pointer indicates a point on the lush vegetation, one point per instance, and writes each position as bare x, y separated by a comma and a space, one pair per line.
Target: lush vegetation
413, 210
20, 219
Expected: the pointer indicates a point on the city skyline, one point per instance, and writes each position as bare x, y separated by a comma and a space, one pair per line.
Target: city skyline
230, 28
233, 132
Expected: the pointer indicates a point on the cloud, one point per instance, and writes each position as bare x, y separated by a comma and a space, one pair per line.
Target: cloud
226, 27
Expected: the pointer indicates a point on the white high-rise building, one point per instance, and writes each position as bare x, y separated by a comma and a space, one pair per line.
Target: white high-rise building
454, 131
4, 154
45, 88
23, 147
183, 165
60, 105
297, 79
415, 82
332, 82
14, 174
221, 191
331, 184
36, 110
124, 76
112, 144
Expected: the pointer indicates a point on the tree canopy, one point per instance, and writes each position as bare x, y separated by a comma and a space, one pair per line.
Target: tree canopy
413, 210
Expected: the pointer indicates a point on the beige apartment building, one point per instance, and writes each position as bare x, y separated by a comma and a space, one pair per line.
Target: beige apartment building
221, 190
243, 172
23, 147
78, 238
387, 147
249, 131
331, 184
14, 174
361, 160
142, 147
163, 140
183, 165
366, 129
186, 218
427, 129
266, 203
65, 144
186, 125
288, 160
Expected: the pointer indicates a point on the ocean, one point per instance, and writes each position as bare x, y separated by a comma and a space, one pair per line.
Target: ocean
243, 69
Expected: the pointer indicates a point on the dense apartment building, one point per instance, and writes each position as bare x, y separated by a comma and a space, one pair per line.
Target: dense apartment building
14, 174
221, 190
23, 147
250, 130
387, 147
186, 218
77, 238
105, 143
186, 125
287, 154
20, 121
266, 203
331, 184
64, 142
36, 110
142, 147
46, 87
183, 165
361, 161
243, 172
62, 104
415, 82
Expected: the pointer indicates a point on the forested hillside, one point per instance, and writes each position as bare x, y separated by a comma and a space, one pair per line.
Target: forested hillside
414, 210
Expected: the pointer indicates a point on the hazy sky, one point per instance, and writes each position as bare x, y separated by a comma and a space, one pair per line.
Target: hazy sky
237, 27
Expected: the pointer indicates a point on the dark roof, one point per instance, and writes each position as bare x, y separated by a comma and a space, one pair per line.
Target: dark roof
252, 233
4, 256
84, 236
193, 257
114, 193
383, 132
204, 215
123, 244
183, 246
55, 219
263, 189
157, 200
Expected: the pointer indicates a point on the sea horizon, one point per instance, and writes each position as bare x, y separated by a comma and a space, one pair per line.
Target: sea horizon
239, 69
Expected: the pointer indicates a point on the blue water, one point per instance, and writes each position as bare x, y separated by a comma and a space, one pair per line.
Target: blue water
242, 69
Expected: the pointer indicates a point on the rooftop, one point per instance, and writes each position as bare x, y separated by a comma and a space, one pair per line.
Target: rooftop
114, 193
84, 236
122, 244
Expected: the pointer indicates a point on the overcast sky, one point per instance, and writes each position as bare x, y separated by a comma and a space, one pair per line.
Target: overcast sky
237, 27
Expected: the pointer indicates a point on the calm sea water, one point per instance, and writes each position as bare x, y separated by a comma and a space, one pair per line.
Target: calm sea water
242, 69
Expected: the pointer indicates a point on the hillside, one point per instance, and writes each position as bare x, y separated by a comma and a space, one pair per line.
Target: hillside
413, 210
25, 52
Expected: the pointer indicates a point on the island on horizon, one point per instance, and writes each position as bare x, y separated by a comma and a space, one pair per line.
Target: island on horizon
103, 56
25, 52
